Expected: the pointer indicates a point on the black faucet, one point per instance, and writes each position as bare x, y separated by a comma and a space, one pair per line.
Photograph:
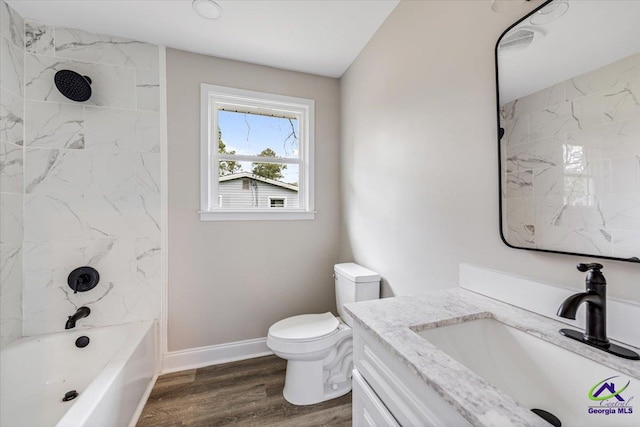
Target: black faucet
79, 314
596, 299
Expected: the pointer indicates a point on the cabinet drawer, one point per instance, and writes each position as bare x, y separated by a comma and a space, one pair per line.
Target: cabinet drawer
368, 409
409, 399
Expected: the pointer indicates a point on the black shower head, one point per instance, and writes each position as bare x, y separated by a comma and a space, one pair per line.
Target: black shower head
73, 85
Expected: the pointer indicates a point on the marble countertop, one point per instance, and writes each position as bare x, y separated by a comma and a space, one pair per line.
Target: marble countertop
392, 321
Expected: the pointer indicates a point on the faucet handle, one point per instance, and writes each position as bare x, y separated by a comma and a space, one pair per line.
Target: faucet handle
594, 275
592, 266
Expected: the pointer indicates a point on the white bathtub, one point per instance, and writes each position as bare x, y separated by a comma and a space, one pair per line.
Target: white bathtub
112, 376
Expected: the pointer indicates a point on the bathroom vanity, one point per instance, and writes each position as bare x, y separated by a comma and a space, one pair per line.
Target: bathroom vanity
456, 358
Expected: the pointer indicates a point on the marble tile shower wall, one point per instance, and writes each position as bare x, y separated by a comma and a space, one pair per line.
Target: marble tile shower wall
571, 164
11, 172
91, 179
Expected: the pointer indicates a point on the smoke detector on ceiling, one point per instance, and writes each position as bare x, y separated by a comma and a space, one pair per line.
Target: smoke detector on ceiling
207, 9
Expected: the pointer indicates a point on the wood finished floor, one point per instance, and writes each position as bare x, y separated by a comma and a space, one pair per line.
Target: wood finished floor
245, 393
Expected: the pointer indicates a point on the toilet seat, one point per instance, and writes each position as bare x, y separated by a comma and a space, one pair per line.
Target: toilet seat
306, 336
305, 327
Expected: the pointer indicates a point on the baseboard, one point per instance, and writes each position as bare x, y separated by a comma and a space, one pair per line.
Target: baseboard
213, 355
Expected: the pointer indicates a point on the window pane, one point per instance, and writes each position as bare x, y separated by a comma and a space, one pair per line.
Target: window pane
258, 185
257, 135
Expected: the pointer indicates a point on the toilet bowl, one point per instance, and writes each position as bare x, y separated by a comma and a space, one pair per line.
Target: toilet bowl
319, 347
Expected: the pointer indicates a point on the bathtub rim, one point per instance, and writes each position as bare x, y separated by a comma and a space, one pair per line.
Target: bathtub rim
89, 399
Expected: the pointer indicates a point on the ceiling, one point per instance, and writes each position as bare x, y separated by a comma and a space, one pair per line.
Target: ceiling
314, 36
589, 35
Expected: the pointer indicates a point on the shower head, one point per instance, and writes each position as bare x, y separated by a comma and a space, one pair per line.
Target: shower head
73, 85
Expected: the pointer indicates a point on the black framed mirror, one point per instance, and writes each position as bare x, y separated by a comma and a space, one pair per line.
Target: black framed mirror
568, 90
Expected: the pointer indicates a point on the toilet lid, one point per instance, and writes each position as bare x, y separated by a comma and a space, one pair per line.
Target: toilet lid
304, 327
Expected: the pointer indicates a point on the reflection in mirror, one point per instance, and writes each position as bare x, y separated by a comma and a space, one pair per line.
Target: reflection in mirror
569, 107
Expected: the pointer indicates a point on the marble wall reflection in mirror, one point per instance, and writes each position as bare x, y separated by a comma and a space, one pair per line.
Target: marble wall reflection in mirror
569, 104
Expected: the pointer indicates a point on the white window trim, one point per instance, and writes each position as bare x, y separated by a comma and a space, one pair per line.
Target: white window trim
212, 97
278, 198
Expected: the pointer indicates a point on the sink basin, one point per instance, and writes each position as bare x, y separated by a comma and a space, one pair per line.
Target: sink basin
541, 375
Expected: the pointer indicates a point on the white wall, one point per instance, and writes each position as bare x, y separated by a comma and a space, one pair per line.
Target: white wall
419, 154
230, 280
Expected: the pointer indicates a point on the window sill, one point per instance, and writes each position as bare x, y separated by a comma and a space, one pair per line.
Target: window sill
256, 216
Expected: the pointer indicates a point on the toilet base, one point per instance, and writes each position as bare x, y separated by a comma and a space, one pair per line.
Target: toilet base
303, 385
313, 381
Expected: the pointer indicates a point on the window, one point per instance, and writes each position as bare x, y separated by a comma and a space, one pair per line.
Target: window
579, 176
257, 154
277, 202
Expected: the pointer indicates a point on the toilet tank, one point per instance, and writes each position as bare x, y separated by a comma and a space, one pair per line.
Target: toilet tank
354, 283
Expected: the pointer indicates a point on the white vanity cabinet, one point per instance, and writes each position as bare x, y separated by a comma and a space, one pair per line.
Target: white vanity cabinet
388, 393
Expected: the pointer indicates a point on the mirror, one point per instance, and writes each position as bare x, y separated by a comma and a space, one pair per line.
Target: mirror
568, 83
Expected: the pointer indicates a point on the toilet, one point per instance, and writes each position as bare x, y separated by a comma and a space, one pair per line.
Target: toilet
319, 347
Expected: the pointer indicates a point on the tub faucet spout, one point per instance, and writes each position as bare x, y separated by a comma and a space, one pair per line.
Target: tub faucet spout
79, 314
